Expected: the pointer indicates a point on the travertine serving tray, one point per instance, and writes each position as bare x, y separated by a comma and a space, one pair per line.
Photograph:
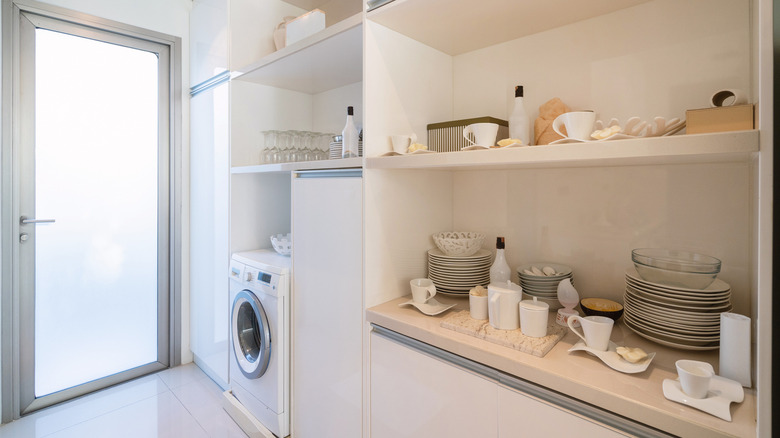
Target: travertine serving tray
462, 322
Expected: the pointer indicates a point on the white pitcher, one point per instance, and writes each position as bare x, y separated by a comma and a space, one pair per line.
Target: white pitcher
503, 310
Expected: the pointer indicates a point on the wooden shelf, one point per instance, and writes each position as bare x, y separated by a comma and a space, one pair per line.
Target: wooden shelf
459, 26
345, 163
698, 148
326, 60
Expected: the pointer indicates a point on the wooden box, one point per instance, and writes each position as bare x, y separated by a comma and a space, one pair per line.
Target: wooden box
720, 119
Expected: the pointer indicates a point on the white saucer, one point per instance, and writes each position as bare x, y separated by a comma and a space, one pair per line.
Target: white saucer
417, 152
614, 360
430, 307
722, 393
475, 147
617, 136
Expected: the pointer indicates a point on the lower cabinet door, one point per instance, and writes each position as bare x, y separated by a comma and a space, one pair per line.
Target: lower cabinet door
416, 395
521, 415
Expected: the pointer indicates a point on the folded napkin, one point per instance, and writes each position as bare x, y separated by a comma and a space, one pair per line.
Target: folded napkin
543, 132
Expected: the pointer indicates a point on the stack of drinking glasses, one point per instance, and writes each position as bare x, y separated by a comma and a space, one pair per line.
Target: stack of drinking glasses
290, 146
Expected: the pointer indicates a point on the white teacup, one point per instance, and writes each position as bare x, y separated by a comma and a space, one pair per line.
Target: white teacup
484, 133
694, 377
596, 329
401, 142
423, 290
579, 124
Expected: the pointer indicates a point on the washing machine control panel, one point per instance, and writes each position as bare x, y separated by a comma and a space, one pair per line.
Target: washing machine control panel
261, 280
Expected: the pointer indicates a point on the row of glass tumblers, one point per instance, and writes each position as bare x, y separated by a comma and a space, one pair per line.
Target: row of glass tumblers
289, 146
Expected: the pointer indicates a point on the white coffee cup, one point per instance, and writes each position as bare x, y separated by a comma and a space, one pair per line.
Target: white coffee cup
484, 133
533, 318
401, 143
478, 307
694, 377
596, 329
423, 290
503, 312
579, 124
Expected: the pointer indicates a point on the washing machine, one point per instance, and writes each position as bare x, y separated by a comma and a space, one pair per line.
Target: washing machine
259, 378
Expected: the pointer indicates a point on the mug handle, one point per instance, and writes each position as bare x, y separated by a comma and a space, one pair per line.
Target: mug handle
466, 131
556, 125
570, 323
431, 290
493, 304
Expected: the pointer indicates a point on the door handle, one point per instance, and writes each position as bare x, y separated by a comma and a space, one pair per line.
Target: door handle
24, 220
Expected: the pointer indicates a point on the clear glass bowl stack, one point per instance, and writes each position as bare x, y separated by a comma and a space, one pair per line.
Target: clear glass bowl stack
676, 268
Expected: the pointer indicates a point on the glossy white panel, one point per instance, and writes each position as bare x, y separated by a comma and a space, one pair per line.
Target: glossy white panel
329, 108
252, 25
414, 395
327, 307
619, 65
208, 39
591, 218
203, 399
260, 207
522, 415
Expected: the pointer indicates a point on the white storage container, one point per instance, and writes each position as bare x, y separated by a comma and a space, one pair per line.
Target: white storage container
305, 25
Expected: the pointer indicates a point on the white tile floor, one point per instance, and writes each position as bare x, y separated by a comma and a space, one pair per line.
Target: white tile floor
179, 402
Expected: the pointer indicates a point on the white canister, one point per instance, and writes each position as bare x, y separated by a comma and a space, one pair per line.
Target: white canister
502, 306
533, 318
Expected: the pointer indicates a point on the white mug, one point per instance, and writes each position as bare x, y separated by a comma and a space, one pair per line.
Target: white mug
579, 124
596, 329
484, 133
694, 377
423, 290
503, 312
401, 142
533, 318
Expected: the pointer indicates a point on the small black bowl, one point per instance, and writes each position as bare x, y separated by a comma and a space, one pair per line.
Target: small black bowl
601, 307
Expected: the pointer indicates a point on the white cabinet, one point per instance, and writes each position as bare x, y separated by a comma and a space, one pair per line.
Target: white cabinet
327, 304
520, 414
414, 395
209, 213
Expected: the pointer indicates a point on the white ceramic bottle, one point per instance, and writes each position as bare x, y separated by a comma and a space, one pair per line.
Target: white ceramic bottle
518, 121
349, 137
499, 272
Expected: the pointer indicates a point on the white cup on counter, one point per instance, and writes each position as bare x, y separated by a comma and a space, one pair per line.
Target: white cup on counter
596, 330
484, 133
503, 312
695, 377
478, 307
423, 290
401, 143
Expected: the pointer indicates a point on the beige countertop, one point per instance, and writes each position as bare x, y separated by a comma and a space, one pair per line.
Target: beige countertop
579, 375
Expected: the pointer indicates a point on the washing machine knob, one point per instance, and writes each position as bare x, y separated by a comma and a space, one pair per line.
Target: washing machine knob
248, 276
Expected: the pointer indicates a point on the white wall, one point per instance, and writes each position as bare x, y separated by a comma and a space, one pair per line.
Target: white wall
169, 17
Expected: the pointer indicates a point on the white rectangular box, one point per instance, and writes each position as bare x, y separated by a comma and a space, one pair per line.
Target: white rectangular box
305, 25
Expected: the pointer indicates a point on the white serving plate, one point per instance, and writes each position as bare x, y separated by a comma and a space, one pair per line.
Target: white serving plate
678, 293
613, 360
721, 394
717, 286
436, 253
680, 314
681, 301
712, 346
430, 307
665, 319
725, 307
670, 336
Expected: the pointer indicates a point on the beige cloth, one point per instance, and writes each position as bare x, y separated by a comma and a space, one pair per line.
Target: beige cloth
543, 132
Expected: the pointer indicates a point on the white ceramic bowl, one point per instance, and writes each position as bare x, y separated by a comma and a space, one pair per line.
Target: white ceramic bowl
282, 243
458, 243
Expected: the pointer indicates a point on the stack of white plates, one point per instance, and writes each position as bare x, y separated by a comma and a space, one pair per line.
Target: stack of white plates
674, 316
335, 149
456, 275
544, 287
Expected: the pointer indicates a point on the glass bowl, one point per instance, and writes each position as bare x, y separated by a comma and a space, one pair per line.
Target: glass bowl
676, 268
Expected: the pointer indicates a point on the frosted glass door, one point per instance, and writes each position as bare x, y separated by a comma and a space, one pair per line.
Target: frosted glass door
94, 211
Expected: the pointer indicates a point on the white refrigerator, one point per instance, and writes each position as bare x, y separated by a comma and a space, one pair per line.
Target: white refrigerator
327, 303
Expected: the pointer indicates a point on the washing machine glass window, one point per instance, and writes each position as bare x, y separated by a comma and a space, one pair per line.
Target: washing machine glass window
251, 335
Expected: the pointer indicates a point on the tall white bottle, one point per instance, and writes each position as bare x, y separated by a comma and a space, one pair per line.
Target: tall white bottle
518, 122
349, 137
499, 272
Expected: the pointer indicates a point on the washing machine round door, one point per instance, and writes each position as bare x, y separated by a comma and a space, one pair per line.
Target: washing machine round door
251, 335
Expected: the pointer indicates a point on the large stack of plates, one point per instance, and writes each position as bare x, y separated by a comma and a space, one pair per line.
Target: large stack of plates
335, 149
544, 286
674, 316
456, 275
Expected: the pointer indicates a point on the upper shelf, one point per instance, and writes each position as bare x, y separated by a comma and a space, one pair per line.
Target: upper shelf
341, 163
697, 148
326, 60
460, 26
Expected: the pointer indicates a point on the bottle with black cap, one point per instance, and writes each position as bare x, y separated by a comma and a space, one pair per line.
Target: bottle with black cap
499, 272
349, 137
518, 121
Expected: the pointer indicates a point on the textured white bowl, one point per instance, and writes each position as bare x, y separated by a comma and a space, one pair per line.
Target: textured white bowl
458, 243
282, 243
